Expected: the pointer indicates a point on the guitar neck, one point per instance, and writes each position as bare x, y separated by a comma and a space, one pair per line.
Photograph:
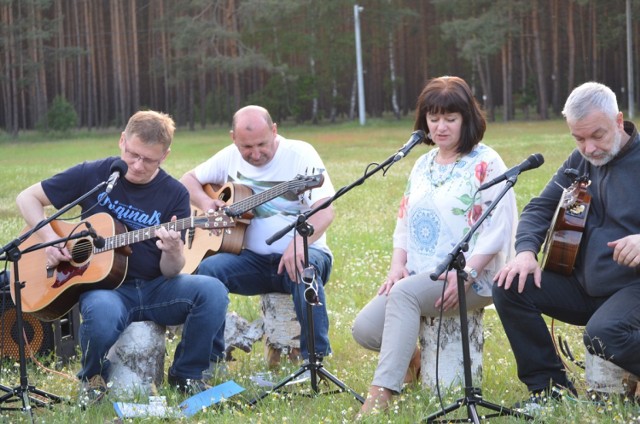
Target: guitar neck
214, 220
256, 200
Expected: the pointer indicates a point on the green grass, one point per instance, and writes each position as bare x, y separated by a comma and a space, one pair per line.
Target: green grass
361, 241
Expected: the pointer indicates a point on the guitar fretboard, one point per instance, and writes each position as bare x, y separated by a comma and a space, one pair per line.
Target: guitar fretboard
213, 220
256, 200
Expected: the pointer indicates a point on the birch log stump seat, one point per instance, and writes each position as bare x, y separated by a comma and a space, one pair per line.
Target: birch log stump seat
241, 334
137, 358
605, 377
281, 328
450, 360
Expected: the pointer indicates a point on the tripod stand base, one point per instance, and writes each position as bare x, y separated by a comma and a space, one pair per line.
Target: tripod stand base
29, 396
317, 370
473, 399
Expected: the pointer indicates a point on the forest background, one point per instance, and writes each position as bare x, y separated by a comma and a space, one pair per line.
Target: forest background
91, 64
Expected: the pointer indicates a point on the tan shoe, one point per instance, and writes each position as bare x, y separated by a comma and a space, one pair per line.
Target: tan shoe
92, 391
378, 400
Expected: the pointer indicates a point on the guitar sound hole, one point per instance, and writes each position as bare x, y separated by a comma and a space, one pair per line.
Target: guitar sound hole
225, 195
82, 251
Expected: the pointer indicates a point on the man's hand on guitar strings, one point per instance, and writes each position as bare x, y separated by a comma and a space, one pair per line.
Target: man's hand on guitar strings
169, 241
55, 255
216, 204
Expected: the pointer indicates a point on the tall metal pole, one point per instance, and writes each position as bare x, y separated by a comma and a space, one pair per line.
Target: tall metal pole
361, 112
631, 90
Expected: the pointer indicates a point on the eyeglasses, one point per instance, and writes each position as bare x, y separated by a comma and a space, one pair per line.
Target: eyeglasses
134, 157
308, 277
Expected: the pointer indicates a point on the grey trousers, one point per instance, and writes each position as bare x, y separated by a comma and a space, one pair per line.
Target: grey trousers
390, 324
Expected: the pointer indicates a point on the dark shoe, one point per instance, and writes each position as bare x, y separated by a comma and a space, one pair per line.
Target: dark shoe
92, 391
188, 386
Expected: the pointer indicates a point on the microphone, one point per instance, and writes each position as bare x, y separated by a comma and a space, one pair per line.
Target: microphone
416, 138
118, 168
532, 162
98, 241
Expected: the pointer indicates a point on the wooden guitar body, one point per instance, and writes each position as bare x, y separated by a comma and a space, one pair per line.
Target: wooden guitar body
240, 200
201, 243
51, 293
564, 236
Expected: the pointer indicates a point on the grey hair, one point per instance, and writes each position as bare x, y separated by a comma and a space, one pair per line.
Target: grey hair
589, 97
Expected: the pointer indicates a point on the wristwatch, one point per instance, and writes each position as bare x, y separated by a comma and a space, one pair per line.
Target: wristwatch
473, 274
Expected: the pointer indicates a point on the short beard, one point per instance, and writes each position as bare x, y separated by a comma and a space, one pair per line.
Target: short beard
615, 149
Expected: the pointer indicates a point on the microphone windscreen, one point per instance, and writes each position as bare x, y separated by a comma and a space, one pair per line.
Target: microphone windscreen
119, 165
537, 160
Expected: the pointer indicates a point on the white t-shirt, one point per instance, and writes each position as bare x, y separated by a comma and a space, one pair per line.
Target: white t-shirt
292, 158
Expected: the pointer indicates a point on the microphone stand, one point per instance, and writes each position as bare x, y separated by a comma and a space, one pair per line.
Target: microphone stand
11, 252
472, 395
314, 364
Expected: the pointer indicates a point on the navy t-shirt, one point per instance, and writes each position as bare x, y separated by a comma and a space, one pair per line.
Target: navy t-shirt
136, 206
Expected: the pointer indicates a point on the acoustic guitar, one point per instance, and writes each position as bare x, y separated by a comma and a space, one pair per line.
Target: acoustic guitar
564, 235
201, 243
50, 293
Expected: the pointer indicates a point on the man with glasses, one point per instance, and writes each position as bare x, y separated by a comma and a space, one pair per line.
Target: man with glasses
153, 288
260, 158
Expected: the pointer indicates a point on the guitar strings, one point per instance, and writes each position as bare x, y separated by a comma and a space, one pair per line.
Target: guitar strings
123, 239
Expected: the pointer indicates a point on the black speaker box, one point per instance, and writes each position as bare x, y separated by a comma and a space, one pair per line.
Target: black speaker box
59, 336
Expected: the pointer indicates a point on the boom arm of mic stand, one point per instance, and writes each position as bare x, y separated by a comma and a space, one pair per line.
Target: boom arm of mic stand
39, 246
81, 234
280, 233
11, 249
448, 261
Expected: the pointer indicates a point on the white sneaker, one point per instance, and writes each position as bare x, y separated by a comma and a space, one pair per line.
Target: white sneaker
305, 376
265, 379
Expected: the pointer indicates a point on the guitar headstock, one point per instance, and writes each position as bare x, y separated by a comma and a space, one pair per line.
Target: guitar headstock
577, 188
576, 178
213, 220
303, 183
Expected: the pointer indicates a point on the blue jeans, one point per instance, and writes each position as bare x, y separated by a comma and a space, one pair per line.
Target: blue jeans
198, 302
612, 326
250, 274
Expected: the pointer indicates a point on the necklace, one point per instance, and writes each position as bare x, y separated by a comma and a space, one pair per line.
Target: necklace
447, 177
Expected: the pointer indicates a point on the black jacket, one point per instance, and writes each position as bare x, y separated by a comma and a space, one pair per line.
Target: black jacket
614, 213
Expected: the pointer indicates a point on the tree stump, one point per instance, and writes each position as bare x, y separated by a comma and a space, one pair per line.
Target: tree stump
281, 328
240, 334
450, 360
604, 376
137, 358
